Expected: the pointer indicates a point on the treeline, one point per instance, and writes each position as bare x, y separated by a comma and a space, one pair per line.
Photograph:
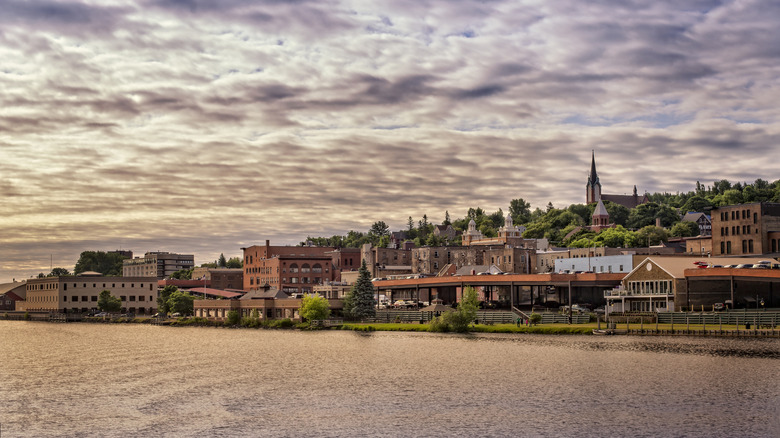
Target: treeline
566, 226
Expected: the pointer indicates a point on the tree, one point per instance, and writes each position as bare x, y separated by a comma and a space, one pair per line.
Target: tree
162, 300
233, 317
685, 229
235, 263
652, 235
447, 220
458, 320
314, 307
182, 274
222, 262
379, 228
108, 303
108, 264
361, 298
520, 210
59, 272
181, 302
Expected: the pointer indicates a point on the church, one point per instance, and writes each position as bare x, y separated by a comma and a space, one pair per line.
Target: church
593, 191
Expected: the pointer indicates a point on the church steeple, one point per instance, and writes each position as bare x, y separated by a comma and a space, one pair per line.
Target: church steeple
593, 188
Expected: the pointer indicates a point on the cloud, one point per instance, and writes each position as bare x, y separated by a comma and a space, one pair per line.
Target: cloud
201, 126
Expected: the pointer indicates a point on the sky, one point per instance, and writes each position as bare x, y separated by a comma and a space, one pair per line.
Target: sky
201, 127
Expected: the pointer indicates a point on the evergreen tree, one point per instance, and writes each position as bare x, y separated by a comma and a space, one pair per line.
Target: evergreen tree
222, 261
108, 302
361, 299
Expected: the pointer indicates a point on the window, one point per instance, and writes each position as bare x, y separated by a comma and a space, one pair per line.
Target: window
728, 247
755, 218
84, 298
93, 298
750, 246
122, 298
141, 298
132, 297
65, 298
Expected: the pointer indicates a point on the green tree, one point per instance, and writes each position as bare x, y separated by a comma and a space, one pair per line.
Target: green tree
520, 210
362, 301
108, 264
685, 229
447, 220
181, 302
458, 320
108, 303
182, 274
314, 307
235, 263
652, 235
162, 300
59, 272
222, 262
379, 228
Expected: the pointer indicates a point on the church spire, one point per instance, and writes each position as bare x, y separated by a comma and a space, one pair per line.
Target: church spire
593, 188
593, 178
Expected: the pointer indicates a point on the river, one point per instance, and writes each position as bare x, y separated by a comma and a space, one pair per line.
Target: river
115, 380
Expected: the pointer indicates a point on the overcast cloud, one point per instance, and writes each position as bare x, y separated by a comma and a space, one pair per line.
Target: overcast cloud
202, 126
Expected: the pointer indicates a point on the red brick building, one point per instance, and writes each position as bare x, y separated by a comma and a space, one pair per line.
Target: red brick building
746, 229
292, 269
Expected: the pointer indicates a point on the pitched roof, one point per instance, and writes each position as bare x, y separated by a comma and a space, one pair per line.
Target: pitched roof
215, 292
600, 210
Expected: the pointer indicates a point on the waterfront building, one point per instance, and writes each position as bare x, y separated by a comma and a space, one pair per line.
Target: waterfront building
746, 229
157, 264
292, 269
11, 293
80, 294
385, 262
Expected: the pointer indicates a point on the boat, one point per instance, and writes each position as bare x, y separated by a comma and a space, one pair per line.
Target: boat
603, 332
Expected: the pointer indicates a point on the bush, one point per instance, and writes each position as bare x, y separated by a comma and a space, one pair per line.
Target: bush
535, 318
281, 323
250, 322
438, 325
233, 318
26, 316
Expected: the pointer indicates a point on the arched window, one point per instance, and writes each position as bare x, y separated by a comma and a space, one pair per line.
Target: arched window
317, 268
294, 267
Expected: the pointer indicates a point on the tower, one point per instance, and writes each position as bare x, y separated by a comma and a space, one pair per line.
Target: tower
593, 188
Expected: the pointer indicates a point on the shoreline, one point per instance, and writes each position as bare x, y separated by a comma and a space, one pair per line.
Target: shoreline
622, 329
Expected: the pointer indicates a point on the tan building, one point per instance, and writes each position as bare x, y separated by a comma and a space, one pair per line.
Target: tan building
509, 234
269, 303
746, 229
382, 262
80, 294
157, 264
699, 245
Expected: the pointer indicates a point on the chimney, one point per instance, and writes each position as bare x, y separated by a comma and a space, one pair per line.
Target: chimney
267, 243
658, 222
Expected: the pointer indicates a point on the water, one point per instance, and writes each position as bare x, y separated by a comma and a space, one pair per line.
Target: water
132, 380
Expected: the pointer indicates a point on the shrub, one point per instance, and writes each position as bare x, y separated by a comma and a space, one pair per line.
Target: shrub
281, 323
250, 322
535, 318
26, 316
438, 325
233, 318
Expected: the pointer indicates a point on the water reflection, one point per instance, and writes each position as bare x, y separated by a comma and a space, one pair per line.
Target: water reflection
112, 380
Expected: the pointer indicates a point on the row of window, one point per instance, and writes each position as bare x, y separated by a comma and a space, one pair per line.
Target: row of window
651, 287
737, 215
735, 230
75, 298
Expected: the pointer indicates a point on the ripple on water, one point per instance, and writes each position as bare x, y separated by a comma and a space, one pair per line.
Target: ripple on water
121, 380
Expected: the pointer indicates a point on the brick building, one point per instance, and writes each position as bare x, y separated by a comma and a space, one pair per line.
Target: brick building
746, 229
292, 269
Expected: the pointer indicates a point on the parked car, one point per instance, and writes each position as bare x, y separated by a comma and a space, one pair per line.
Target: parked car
176, 315
719, 306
